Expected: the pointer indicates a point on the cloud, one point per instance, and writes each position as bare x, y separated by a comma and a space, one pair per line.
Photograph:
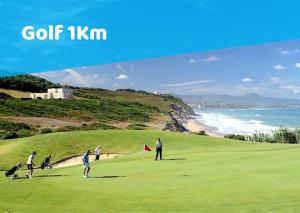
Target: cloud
189, 83
297, 65
275, 80
211, 58
122, 77
247, 80
285, 52
191, 61
279, 67
291, 87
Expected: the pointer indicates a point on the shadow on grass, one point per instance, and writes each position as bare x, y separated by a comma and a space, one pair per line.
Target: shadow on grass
46, 176
41, 176
108, 176
175, 159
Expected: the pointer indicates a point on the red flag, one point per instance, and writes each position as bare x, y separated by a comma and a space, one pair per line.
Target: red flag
146, 148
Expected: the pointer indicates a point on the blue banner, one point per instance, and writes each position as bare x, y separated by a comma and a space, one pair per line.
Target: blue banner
136, 29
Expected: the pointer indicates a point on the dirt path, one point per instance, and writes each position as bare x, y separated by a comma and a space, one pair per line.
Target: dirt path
76, 160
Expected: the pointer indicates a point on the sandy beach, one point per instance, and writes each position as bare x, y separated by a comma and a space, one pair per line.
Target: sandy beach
194, 125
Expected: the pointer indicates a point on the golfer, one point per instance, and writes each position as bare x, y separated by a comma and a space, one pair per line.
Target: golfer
86, 163
30, 165
97, 152
158, 147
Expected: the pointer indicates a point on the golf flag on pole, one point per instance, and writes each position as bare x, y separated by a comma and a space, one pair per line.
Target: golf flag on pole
146, 148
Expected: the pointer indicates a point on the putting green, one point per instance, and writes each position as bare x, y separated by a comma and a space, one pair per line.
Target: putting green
199, 174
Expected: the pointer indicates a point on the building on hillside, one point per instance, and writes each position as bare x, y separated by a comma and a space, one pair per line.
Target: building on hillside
54, 93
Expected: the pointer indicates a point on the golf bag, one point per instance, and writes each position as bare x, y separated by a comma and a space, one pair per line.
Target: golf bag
46, 163
11, 173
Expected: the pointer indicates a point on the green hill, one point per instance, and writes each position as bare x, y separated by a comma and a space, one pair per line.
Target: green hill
26, 83
199, 174
125, 108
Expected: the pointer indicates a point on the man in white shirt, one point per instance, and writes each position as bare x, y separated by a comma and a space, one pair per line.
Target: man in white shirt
158, 147
30, 164
97, 153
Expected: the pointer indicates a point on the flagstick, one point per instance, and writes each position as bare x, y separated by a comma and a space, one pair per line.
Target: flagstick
143, 154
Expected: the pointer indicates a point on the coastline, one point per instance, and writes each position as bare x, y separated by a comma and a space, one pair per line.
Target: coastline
194, 125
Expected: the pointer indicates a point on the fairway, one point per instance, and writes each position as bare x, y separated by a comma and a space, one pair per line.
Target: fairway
198, 174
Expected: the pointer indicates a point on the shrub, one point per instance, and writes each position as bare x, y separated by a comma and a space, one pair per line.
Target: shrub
46, 131
10, 135
260, 137
285, 135
297, 133
236, 137
25, 133
137, 126
201, 132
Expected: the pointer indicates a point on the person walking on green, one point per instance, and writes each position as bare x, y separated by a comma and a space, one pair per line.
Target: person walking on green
158, 147
30, 165
86, 163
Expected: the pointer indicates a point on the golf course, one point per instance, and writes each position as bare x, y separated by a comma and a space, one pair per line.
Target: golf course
198, 174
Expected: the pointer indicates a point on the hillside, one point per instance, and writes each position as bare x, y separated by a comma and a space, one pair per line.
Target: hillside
26, 83
90, 107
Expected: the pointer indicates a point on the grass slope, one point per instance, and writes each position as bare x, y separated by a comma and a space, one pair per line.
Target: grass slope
16, 93
200, 174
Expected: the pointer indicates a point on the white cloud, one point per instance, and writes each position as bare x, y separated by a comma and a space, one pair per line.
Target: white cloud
211, 58
285, 52
122, 77
189, 83
297, 65
191, 61
247, 80
291, 87
279, 67
275, 80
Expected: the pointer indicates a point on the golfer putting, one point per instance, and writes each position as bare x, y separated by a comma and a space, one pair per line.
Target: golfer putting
86, 163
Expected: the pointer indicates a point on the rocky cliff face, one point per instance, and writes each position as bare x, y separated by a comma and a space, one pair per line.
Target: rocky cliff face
179, 116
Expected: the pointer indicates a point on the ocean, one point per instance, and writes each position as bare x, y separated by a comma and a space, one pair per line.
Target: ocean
247, 121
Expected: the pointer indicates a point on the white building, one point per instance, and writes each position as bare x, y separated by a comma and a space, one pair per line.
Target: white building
54, 93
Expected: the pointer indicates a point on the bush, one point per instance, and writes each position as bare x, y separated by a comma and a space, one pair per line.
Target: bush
285, 135
137, 126
67, 129
25, 133
297, 133
281, 135
201, 132
235, 137
46, 131
10, 135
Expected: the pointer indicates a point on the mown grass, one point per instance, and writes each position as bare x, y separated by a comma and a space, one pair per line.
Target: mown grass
199, 174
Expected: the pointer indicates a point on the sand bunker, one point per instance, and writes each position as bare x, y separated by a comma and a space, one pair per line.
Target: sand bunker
76, 160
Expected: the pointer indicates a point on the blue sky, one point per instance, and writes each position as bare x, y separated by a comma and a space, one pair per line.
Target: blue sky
138, 29
269, 70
